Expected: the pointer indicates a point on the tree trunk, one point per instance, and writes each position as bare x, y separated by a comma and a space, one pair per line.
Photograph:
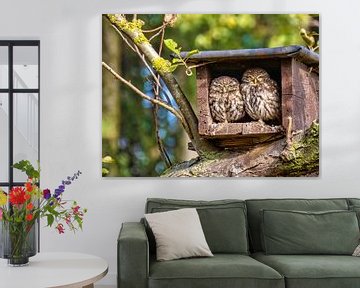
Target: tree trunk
111, 104
275, 159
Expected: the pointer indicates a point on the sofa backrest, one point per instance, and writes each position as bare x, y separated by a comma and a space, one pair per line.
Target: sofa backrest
223, 221
256, 205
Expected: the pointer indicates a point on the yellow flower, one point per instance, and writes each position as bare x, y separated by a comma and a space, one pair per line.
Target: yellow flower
3, 198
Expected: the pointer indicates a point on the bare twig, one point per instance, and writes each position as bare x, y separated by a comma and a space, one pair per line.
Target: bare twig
155, 29
155, 35
137, 51
162, 149
160, 51
142, 94
132, 47
157, 81
202, 64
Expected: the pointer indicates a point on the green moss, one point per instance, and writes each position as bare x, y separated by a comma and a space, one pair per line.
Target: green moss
161, 65
302, 157
140, 38
121, 22
133, 26
213, 155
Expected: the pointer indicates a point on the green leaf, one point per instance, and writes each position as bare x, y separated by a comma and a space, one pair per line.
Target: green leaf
52, 211
105, 171
26, 167
192, 52
172, 46
108, 160
173, 67
50, 219
176, 61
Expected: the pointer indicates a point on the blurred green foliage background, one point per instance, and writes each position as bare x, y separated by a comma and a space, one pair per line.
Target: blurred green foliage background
128, 133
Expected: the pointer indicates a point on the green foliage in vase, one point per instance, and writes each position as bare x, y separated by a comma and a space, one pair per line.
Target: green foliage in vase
24, 205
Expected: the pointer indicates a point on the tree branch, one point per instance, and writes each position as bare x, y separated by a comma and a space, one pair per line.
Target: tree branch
146, 97
136, 50
134, 32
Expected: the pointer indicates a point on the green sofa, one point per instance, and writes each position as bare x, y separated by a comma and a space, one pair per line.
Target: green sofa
234, 232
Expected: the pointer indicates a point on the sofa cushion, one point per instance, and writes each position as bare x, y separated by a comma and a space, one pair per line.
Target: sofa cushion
297, 232
254, 216
178, 234
223, 221
222, 270
313, 271
353, 201
356, 209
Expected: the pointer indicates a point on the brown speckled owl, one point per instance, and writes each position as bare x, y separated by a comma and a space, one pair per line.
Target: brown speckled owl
261, 95
225, 100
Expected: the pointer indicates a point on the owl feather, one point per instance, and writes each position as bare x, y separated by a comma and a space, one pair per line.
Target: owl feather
225, 100
261, 95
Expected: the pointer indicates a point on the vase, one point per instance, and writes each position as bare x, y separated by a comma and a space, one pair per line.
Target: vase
18, 242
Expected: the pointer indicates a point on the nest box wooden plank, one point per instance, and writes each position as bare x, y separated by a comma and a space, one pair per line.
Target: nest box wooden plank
294, 68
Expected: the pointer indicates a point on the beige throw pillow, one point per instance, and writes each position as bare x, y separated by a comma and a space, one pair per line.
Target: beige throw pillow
178, 234
357, 251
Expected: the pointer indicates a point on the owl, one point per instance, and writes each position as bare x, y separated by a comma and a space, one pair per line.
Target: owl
225, 100
261, 95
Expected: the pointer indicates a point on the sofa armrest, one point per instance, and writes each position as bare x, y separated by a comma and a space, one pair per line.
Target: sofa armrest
133, 256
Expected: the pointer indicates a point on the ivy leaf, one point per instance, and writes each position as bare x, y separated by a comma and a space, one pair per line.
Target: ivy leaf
172, 46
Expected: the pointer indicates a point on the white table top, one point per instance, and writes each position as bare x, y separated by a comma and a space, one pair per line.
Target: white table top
45, 270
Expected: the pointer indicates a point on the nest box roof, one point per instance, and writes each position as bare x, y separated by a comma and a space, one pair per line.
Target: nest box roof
300, 53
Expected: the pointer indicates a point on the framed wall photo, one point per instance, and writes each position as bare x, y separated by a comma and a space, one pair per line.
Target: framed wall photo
210, 95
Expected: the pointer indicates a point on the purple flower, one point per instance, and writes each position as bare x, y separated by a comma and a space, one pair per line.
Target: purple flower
58, 192
46, 194
68, 181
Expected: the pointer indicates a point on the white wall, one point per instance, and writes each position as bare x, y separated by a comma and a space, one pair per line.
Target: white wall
70, 34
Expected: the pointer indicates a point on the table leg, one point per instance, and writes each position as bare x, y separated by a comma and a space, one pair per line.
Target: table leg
89, 286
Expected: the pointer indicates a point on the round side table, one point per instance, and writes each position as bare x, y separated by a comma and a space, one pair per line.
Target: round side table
50, 270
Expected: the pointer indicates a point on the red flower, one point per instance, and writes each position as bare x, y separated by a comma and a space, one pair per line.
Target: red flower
29, 206
60, 228
75, 209
29, 217
27, 196
29, 186
17, 196
68, 219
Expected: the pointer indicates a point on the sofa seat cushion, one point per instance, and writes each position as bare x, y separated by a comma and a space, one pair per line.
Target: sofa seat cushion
313, 271
222, 270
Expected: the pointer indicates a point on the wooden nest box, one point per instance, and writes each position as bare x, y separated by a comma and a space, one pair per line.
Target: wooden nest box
294, 68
